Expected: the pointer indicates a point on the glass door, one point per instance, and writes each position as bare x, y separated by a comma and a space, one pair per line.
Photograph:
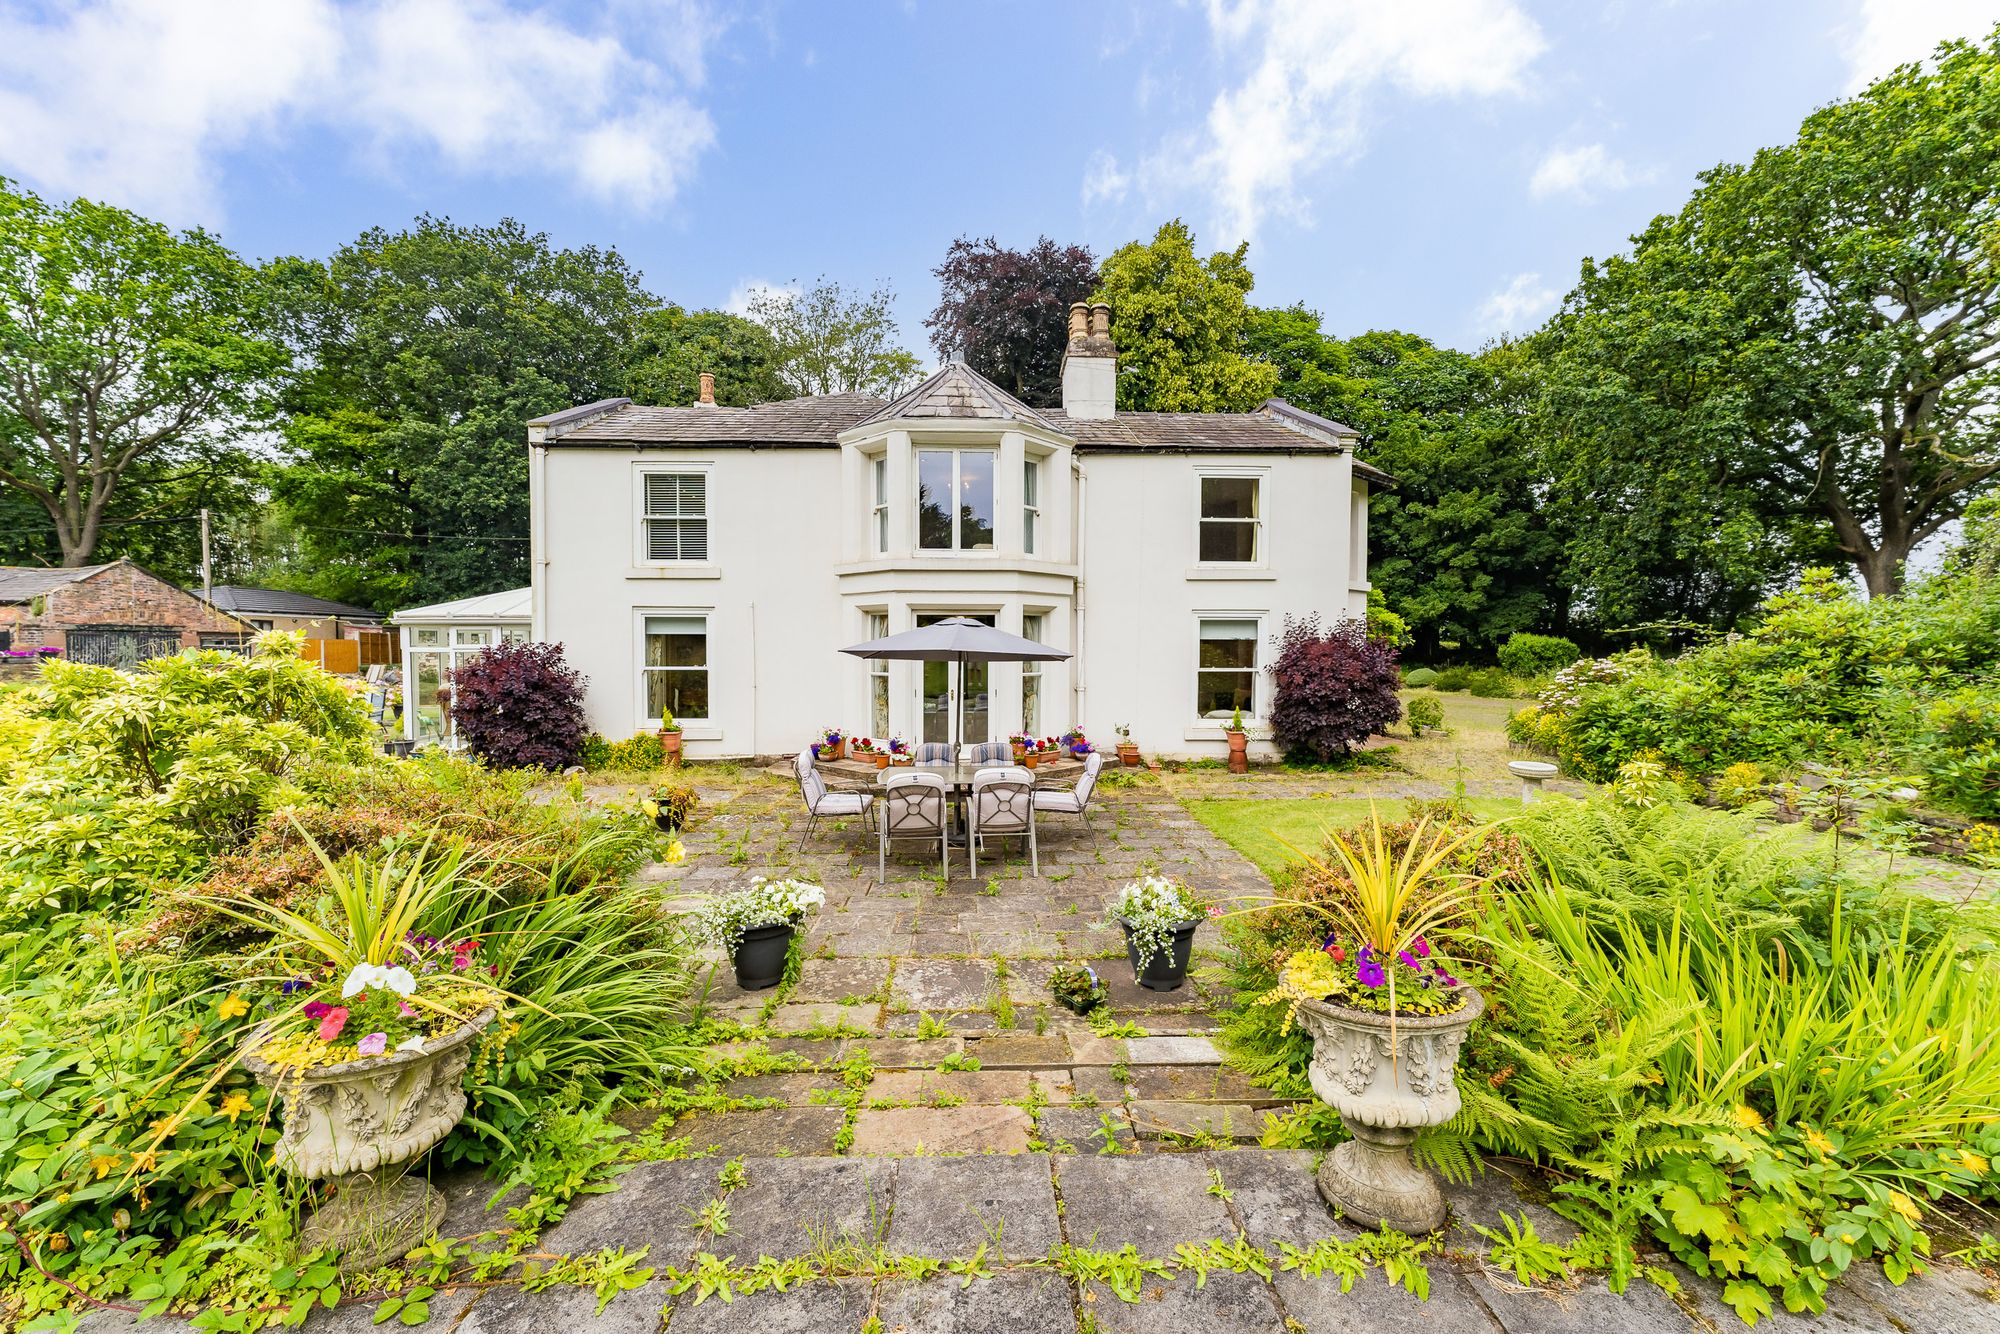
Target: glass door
935, 704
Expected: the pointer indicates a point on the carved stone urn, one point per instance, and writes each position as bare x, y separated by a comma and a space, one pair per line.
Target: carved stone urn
359, 1125
1386, 1089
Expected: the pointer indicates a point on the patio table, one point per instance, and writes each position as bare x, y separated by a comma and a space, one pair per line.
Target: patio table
957, 775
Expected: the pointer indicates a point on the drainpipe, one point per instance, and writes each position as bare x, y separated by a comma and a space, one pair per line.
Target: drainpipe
1079, 525
538, 546
754, 733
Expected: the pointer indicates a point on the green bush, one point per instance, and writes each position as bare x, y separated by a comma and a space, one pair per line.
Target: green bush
1418, 677
1525, 654
1491, 683
1425, 712
1452, 678
638, 752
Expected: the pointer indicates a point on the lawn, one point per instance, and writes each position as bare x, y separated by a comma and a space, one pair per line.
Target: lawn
1268, 831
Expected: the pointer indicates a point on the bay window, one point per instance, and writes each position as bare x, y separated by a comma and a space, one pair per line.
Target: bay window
955, 499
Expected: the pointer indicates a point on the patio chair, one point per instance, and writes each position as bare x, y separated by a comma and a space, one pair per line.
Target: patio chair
913, 806
822, 802
933, 752
1072, 800
986, 752
1003, 805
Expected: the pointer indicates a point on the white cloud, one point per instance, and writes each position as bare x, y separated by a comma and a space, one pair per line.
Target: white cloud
1103, 179
1582, 172
1313, 71
1886, 33
1517, 306
136, 100
750, 289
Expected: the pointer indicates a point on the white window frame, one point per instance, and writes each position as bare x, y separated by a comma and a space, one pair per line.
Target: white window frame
642, 554
878, 677
706, 727
958, 453
878, 515
1031, 671
1257, 668
1031, 503
1261, 477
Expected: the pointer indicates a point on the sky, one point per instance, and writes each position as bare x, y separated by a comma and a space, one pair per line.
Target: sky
1439, 166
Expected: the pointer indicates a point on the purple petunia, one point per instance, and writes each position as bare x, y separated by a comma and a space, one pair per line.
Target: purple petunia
293, 984
317, 1009
1370, 974
1421, 947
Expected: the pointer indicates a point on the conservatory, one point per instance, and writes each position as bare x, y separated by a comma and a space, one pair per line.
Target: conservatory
438, 638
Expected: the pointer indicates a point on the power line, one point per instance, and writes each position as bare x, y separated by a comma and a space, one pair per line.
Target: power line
49, 526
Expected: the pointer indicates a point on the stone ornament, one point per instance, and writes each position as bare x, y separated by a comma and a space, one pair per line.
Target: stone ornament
1387, 1086
359, 1125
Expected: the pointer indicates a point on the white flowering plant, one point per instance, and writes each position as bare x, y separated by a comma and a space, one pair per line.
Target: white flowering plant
1153, 908
722, 920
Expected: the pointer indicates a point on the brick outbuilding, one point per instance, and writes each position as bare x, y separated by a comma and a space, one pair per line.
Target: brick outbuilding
119, 614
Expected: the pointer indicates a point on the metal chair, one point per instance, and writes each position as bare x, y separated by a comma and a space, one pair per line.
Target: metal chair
823, 803
1072, 800
914, 805
986, 752
933, 752
1003, 805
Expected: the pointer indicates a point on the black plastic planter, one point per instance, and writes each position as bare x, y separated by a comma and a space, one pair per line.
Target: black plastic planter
667, 824
1165, 971
760, 956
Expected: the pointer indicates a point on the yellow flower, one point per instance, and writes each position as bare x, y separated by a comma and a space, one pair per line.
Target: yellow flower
166, 1126
1749, 1117
1972, 1162
1902, 1204
235, 1104
676, 853
232, 1005
145, 1162
1819, 1143
102, 1163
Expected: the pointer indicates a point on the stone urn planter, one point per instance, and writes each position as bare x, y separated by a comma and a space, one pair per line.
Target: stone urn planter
1384, 1099
358, 1126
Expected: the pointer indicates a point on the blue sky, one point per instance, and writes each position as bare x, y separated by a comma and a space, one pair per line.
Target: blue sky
1440, 167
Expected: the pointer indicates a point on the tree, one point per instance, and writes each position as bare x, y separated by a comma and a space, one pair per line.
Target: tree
832, 342
520, 706
1807, 356
424, 351
673, 347
1179, 323
126, 350
1332, 688
1461, 547
1006, 312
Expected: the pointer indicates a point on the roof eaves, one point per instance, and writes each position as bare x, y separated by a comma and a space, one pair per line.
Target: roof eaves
556, 424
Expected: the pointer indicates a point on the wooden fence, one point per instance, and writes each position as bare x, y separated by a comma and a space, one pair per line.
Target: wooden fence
351, 657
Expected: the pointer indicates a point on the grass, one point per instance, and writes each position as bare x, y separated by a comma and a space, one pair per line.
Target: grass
1260, 829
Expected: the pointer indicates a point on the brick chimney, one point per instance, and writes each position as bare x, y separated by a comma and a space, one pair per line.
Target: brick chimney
707, 396
1090, 364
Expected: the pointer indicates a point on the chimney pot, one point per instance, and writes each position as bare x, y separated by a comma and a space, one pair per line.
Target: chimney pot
1100, 320
708, 388
1079, 321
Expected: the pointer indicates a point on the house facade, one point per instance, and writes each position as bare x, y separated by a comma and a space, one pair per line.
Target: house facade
710, 562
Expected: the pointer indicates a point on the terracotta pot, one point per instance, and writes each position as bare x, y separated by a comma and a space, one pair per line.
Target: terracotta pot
1239, 756
881, 759
359, 1124
902, 759
1388, 1082
1128, 754
1029, 759
836, 751
1020, 754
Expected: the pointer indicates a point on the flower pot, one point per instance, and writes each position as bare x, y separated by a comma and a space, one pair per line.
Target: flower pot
881, 759
1029, 759
1239, 754
1128, 754
1165, 971
1387, 1084
400, 749
836, 750
1079, 1004
1079, 752
359, 1124
666, 824
670, 747
760, 956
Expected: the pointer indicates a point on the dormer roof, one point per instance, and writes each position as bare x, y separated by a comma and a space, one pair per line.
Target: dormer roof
958, 391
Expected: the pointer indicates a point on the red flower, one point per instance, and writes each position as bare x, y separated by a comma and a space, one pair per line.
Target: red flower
1339, 954
330, 1026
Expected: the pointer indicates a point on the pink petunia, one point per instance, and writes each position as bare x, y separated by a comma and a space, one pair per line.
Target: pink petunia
373, 1045
332, 1022
405, 1009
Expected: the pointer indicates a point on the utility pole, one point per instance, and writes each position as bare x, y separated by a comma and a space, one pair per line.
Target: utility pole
207, 591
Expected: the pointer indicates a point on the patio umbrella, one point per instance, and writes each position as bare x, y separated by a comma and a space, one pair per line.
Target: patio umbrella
958, 640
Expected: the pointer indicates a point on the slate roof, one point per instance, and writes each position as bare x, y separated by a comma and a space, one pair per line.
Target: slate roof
957, 391
18, 583
277, 602
796, 421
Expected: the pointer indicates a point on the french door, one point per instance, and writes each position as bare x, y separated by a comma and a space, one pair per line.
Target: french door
974, 713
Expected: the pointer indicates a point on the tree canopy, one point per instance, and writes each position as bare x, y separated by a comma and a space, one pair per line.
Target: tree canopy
832, 341
1179, 323
672, 347
1006, 312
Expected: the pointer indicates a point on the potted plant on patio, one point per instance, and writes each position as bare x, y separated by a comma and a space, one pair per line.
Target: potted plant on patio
1076, 743
1023, 746
1159, 917
670, 739
1386, 1016
899, 751
832, 744
1239, 744
371, 1045
754, 926
1077, 988
1128, 750
670, 805
863, 749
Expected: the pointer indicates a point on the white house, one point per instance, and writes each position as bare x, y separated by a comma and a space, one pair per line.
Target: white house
711, 561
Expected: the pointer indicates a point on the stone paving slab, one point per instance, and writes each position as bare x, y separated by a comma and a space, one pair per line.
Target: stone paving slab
1274, 1195
518, 1311
790, 1206
1015, 1303
654, 1205
969, 1128
1226, 1304
1374, 1304
793, 1090
950, 1206
943, 984
466, 1212
1008, 1050
821, 1307
901, 1053
762, 1130
1153, 1203
1947, 1300
1171, 1051
968, 1085
838, 979
1227, 1120
1078, 1127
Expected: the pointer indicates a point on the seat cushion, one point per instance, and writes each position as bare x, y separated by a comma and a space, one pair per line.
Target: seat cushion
842, 803
1053, 800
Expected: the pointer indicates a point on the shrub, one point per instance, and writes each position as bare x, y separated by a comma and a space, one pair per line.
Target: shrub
635, 752
1418, 677
1333, 688
1386, 625
1452, 678
1490, 683
1536, 655
520, 706
1425, 712
1739, 785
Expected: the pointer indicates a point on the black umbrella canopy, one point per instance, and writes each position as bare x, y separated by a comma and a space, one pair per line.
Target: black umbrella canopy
957, 639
